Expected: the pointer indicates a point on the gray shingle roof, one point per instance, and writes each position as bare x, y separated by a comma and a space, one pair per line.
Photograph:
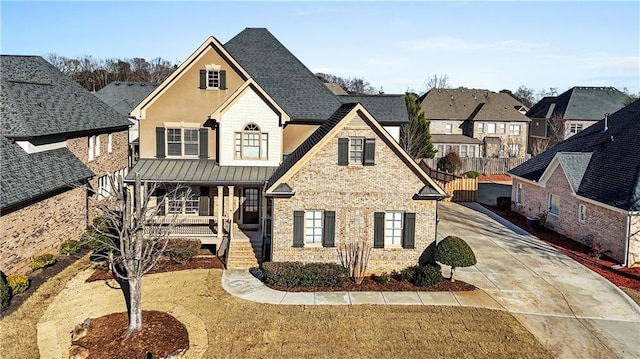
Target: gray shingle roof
386, 109
296, 89
28, 176
612, 175
37, 100
197, 171
125, 96
470, 104
580, 103
574, 166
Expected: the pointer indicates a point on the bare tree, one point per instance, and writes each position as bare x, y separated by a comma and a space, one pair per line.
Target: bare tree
134, 241
438, 82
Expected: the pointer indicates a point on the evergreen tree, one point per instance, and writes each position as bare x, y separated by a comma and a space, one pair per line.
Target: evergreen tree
415, 137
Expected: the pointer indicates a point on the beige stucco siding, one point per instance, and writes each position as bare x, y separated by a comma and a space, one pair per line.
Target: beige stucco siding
604, 225
354, 192
184, 101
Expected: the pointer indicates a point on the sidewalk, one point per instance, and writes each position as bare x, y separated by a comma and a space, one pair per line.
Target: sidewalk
240, 283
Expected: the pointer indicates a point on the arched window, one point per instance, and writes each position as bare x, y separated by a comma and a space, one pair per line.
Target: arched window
251, 144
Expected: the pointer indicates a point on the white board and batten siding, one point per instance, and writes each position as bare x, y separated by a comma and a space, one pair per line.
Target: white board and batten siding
250, 108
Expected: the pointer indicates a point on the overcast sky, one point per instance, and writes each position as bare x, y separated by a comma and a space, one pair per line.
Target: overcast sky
393, 45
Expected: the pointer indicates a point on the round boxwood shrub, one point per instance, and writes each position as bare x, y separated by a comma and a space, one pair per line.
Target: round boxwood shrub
18, 283
5, 293
451, 162
455, 252
422, 276
472, 174
70, 247
42, 261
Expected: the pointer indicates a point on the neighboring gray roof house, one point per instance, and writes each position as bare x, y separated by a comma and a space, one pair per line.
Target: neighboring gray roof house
125, 96
387, 109
601, 165
583, 105
40, 108
335, 88
287, 80
471, 105
39, 100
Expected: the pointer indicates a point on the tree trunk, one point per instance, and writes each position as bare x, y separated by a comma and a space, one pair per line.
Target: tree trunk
453, 272
135, 305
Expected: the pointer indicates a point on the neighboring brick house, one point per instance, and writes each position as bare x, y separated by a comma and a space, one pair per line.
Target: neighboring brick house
124, 97
229, 119
475, 123
556, 118
56, 138
588, 185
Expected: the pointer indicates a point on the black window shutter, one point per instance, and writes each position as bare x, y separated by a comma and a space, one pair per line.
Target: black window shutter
203, 79
203, 201
409, 231
329, 230
378, 230
204, 143
369, 157
223, 80
160, 142
298, 228
343, 151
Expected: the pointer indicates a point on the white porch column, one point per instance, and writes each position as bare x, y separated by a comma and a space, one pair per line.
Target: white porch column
231, 209
219, 206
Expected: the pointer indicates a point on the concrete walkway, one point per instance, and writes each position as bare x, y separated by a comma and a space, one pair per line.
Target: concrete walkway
571, 310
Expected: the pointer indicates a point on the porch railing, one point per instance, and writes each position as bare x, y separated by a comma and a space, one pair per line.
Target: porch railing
187, 225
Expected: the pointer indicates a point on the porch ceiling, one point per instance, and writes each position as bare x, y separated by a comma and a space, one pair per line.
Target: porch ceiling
197, 171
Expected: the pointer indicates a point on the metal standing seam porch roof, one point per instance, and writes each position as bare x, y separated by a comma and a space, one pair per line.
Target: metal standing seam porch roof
197, 171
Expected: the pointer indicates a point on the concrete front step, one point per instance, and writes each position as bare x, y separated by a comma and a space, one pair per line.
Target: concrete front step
243, 254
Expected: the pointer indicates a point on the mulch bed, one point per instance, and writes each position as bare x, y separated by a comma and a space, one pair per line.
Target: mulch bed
161, 335
393, 285
207, 262
38, 277
623, 277
495, 178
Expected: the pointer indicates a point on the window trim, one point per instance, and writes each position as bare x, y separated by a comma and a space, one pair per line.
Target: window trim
518, 193
577, 126
109, 143
398, 232
182, 199
97, 148
550, 198
489, 128
448, 129
317, 242
239, 143
582, 213
480, 127
512, 130
361, 151
91, 147
182, 141
502, 128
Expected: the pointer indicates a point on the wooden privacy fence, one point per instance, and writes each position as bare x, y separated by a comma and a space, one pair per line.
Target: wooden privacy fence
487, 166
459, 188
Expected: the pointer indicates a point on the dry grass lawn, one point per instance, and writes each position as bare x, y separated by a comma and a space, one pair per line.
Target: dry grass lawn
241, 329
633, 294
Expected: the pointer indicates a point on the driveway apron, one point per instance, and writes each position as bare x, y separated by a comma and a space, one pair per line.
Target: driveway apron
573, 311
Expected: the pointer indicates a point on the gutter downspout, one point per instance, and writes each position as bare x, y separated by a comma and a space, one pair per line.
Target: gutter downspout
626, 245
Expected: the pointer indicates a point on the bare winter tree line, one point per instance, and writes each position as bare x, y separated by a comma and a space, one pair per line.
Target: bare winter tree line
352, 85
94, 74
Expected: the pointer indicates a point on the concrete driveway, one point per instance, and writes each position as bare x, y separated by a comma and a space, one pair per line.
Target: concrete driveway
573, 311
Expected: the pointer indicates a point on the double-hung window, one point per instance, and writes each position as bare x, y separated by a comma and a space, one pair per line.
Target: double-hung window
582, 213
463, 151
182, 142
491, 128
109, 143
480, 128
356, 147
313, 227
184, 201
448, 129
213, 79
514, 130
519, 193
501, 128
393, 229
514, 149
575, 128
104, 187
97, 145
251, 143
91, 147
554, 204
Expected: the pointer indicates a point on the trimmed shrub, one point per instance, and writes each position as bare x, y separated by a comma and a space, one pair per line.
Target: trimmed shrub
182, 250
472, 174
298, 274
504, 203
383, 278
455, 252
70, 247
43, 261
18, 283
5, 293
422, 276
451, 162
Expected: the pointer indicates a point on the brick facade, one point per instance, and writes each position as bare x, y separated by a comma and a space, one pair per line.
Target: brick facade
40, 228
606, 226
354, 192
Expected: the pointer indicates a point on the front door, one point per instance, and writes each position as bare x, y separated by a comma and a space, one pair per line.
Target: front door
251, 206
